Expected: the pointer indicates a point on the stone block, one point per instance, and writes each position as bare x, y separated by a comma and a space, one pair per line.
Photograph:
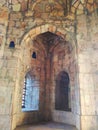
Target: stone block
12, 63
1, 65
89, 122
14, 122
4, 82
24, 5
15, 1
64, 117
11, 23
86, 82
84, 57
96, 103
32, 32
6, 100
2, 30
44, 28
15, 16
16, 7
3, 71
38, 30
89, 103
29, 13
78, 121
5, 122
52, 28
4, 15
85, 68
95, 77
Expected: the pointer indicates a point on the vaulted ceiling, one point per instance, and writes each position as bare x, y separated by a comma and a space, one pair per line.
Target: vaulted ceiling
65, 6
48, 39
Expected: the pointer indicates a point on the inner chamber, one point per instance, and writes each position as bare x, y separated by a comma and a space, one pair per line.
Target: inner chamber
52, 68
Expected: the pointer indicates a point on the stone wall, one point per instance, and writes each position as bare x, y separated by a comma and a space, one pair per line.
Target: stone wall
6, 87
25, 62
87, 39
20, 22
64, 60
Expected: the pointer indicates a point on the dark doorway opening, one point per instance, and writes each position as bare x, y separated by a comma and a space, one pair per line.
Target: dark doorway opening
62, 92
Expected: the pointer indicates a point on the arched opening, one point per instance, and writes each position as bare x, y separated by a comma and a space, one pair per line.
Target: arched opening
30, 97
50, 57
62, 92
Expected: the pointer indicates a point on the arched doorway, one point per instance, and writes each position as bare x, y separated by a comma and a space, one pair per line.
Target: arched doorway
62, 92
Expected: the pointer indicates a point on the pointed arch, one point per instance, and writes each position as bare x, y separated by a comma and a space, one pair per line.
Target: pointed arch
30, 96
62, 91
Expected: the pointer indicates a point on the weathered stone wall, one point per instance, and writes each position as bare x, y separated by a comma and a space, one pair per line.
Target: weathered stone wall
45, 82
64, 60
87, 39
25, 64
17, 18
6, 87
8, 80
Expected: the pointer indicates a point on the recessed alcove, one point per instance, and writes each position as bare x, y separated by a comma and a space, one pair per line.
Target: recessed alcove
51, 63
48, 66
30, 96
62, 92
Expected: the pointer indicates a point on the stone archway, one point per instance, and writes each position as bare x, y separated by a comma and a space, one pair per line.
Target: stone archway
26, 48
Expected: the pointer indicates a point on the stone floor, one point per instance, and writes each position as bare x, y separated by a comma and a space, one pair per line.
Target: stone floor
47, 126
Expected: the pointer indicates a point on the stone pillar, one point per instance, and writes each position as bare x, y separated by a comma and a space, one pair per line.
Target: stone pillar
7, 86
